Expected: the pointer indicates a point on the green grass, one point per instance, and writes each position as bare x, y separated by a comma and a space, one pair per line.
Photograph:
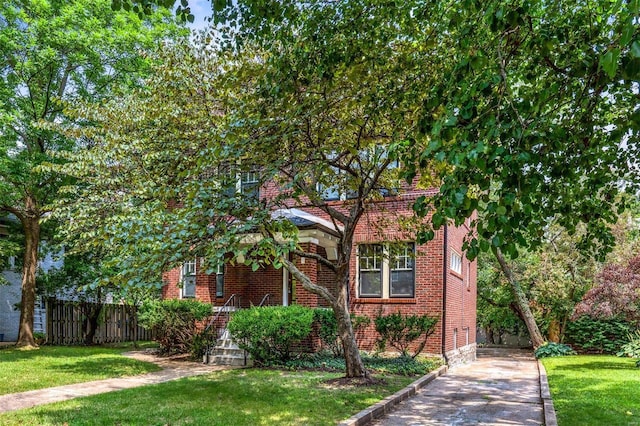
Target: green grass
48, 366
594, 390
233, 397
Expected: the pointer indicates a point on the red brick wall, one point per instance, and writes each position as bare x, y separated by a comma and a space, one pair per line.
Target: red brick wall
461, 294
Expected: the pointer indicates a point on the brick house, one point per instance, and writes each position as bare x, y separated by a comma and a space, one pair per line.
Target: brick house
434, 278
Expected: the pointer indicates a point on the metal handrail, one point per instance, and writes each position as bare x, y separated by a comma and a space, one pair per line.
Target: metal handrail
265, 299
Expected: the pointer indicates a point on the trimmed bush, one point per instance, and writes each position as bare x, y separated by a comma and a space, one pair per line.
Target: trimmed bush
328, 328
174, 322
400, 331
269, 333
551, 349
590, 335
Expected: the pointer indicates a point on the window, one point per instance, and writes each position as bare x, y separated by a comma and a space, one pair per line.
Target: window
250, 183
234, 180
336, 180
456, 262
370, 261
220, 281
401, 271
386, 271
188, 279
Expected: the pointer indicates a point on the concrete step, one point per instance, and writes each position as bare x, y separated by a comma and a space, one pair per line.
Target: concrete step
231, 360
226, 343
227, 351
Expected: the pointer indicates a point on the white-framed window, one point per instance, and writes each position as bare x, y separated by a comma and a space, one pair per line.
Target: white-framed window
401, 272
386, 271
334, 191
188, 279
250, 183
236, 179
456, 262
370, 261
220, 281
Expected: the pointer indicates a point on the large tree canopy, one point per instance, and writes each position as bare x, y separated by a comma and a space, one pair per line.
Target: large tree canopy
527, 110
173, 167
53, 52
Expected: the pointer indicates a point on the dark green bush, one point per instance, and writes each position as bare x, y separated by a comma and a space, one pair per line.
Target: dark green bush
270, 333
400, 331
403, 366
551, 349
174, 322
328, 328
598, 335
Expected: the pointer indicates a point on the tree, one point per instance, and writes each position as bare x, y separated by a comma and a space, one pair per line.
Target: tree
553, 278
55, 51
617, 293
531, 114
168, 191
536, 121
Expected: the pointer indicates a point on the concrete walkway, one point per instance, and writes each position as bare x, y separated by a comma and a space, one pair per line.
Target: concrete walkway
502, 387
172, 370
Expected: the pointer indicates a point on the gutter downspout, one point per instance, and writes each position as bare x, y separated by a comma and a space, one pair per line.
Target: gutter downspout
444, 291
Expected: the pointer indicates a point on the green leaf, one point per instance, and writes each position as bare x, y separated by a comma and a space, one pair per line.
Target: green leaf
635, 49
609, 62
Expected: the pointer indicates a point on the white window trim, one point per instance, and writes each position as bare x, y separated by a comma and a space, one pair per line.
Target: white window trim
386, 273
238, 175
220, 272
182, 276
455, 264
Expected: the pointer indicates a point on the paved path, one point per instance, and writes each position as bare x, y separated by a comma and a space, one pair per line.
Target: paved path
172, 370
501, 388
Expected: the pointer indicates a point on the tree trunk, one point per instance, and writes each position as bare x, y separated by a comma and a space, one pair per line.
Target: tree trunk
521, 301
354, 367
92, 315
554, 330
31, 226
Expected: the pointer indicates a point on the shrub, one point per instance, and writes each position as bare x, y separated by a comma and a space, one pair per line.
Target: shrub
616, 294
402, 366
174, 322
598, 335
328, 328
401, 330
631, 349
269, 333
551, 349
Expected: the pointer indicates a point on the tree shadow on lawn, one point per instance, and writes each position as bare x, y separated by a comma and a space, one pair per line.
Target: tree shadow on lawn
599, 364
107, 366
224, 398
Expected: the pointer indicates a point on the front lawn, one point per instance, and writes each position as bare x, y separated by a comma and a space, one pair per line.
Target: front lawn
233, 397
594, 390
48, 366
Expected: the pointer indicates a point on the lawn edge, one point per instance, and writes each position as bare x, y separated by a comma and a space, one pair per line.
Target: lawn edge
386, 405
545, 394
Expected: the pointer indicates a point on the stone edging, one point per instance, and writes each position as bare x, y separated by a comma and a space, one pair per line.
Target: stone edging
547, 403
386, 405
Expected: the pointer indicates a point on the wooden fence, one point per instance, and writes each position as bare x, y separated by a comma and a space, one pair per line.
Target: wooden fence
66, 323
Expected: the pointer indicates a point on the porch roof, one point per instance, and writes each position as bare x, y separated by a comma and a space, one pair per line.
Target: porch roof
313, 229
306, 220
